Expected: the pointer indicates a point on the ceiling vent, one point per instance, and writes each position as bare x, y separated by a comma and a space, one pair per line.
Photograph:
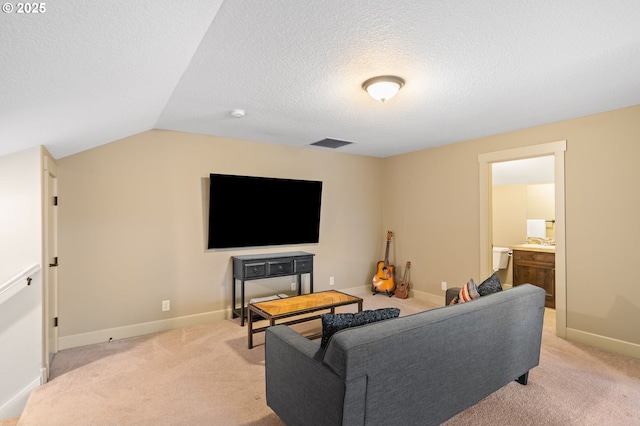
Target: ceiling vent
331, 143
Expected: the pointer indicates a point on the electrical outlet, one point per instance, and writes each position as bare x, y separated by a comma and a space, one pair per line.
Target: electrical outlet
331, 281
444, 285
293, 286
166, 305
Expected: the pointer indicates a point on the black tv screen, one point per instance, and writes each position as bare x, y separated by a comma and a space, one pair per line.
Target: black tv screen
249, 211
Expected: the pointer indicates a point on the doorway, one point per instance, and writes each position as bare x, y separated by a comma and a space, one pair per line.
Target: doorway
557, 150
523, 212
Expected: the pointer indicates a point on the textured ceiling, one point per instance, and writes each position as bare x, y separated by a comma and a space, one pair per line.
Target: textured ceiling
82, 73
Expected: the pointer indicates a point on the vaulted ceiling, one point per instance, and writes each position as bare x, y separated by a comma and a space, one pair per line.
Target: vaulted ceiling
80, 74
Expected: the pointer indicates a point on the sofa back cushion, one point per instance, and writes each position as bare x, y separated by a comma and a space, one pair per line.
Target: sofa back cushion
419, 360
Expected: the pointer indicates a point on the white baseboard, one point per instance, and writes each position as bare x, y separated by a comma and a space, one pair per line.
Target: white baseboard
15, 406
134, 330
595, 340
436, 299
44, 375
420, 295
602, 342
99, 336
105, 335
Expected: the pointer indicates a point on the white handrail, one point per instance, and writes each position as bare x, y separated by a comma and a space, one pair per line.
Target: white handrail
11, 288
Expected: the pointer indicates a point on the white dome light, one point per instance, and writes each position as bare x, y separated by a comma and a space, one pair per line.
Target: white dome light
238, 113
383, 87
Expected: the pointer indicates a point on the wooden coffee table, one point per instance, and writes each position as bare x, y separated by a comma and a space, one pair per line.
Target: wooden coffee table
273, 310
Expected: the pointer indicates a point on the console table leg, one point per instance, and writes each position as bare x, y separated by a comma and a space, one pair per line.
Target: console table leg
250, 329
233, 298
242, 303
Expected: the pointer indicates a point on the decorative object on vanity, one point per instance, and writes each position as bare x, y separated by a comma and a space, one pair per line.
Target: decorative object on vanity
402, 289
384, 279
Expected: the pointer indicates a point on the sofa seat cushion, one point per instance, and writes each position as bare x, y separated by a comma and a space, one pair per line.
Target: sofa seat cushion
332, 323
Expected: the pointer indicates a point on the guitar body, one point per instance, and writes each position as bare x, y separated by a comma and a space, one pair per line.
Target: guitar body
402, 290
384, 279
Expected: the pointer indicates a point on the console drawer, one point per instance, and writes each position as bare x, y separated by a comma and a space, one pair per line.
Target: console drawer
303, 266
280, 267
253, 270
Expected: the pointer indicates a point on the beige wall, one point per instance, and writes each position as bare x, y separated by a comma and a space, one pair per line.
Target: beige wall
20, 249
541, 202
509, 214
132, 221
132, 226
432, 206
512, 205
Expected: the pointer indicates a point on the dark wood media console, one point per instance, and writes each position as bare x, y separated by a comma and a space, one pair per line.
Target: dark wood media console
260, 266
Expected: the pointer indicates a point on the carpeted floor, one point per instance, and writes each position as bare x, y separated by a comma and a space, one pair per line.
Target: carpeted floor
205, 375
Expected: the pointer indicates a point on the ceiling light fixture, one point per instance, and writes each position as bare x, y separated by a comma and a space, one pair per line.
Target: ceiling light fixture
383, 87
237, 113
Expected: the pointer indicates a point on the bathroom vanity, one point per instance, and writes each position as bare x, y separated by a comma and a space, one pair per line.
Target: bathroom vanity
536, 264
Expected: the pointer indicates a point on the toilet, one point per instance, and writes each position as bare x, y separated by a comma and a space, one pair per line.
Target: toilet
500, 258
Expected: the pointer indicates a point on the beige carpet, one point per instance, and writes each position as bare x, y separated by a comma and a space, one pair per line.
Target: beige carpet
205, 375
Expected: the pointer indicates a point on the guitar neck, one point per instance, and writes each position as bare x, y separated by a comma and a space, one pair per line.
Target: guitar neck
406, 272
386, 254
386, 251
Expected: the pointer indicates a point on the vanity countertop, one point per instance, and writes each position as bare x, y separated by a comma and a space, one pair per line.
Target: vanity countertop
534, 247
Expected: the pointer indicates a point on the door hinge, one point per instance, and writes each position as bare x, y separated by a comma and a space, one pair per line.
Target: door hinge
55, 200
55, 322
55, 262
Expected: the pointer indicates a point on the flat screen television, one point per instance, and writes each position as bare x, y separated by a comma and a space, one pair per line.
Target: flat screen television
250, 211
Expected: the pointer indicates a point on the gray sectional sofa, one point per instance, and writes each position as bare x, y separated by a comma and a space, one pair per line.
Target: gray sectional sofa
419, 369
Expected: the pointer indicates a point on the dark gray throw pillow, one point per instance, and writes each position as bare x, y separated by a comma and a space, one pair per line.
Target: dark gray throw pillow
331, 323
490, 285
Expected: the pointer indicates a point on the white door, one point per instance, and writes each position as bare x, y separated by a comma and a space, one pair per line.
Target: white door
50, 284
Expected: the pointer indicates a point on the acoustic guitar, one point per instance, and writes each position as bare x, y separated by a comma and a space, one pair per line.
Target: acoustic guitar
402, 289
384, 279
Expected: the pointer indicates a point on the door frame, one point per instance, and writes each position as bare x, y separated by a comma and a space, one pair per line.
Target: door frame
557, 149
50, 274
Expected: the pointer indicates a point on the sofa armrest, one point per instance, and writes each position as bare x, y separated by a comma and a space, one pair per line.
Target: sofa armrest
451, 294
300, 388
